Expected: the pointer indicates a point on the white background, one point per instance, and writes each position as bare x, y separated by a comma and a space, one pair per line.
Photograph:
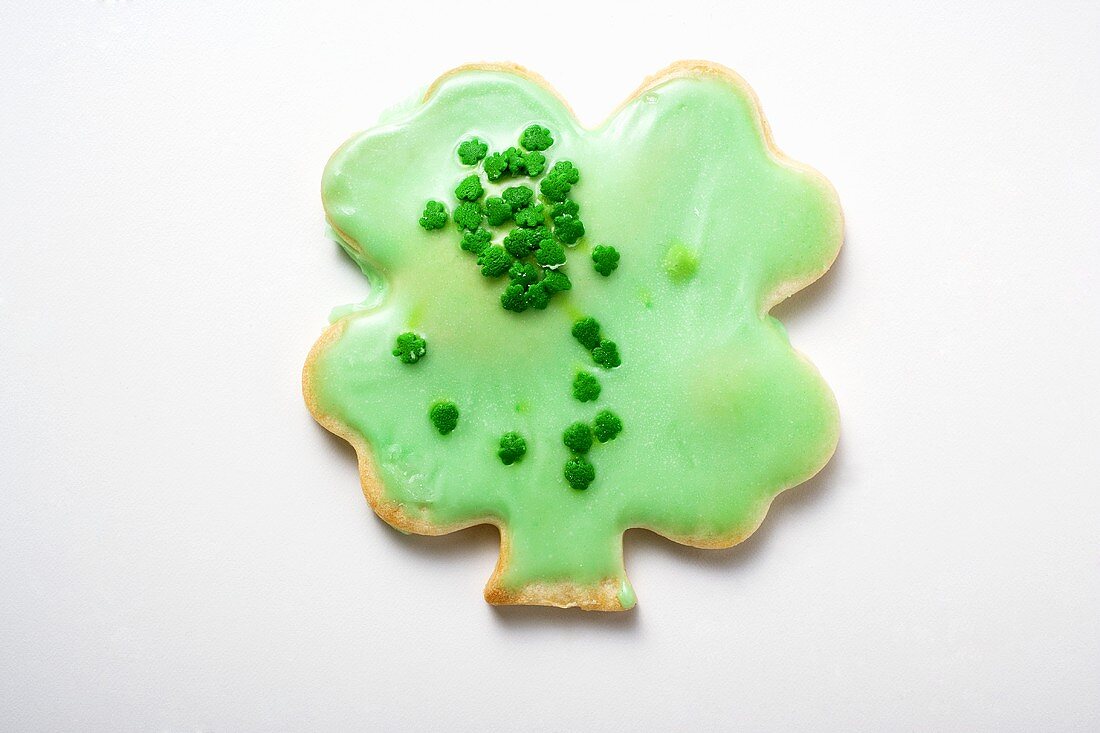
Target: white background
182, 548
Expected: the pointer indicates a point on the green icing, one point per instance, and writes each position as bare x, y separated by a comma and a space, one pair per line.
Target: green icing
720, 412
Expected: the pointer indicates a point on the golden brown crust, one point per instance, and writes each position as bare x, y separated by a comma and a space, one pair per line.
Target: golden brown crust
603, 596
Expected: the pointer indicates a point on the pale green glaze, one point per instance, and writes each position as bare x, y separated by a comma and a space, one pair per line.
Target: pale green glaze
720, 413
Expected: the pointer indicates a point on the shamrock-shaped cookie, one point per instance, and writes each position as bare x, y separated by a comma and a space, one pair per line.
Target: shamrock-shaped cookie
568, 334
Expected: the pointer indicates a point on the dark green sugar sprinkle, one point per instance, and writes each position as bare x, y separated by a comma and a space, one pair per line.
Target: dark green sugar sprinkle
550, 254
521, 242
410, 348
516, 162
537, 297
523, 273
496, 165
538, 234
517, 297
607, 354
579, 472
476, 241
559, 181
434, 217
554, 189
517, 196
530, 216
605, 259
468, 215
566, 171
568, 229
497, 211
604, 351
606, 426
586, 387
471, 151
534, 163
556, 281
469, 189
494, 261
514, 298
536, 137
512, 448
578, 438
565, 208
587, 331
444, 416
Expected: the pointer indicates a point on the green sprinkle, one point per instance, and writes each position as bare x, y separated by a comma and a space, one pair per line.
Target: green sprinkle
566, 171
469, 189
558, 182
681, 262
538, 297
554, 188
534, 163
434, 217
471, 151
536, 137
530, 216
586, 388
410, 348
515, 162
607, 354
497, 210
578, 438
444, 416
568, 229
587, 331
517, 196
476, 241
512, 448
496, 165
565, 208
550, 254
606, 426
468, 215
520, 242
514, 298
523, 273
556, 281
605, 259
579, 472
494, 261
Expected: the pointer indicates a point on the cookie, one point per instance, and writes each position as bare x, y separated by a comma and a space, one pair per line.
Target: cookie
568, 332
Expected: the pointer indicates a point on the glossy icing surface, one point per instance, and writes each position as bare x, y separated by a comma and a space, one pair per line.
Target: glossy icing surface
720, 412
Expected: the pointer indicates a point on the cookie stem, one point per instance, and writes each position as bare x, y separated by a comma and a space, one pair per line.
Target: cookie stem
554, 570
